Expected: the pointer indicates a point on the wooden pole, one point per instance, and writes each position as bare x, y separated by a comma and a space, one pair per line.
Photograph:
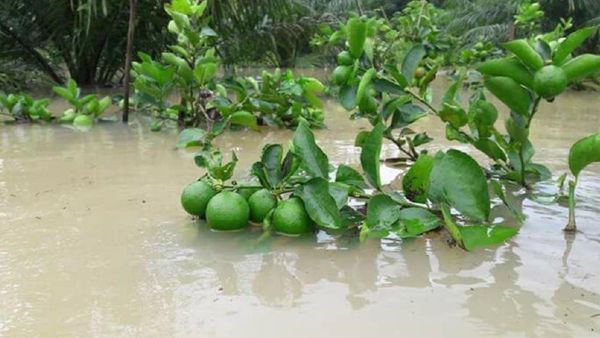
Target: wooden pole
128, 58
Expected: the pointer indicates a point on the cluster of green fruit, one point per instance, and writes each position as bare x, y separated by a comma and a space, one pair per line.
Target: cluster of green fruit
231, 210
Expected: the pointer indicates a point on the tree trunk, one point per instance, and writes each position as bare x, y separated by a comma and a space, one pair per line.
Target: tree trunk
128, 58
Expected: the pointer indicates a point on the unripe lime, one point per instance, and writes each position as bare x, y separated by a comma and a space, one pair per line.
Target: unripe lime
345, 59
227, 211
83, 121
341, 74
420, 72
290, 218
550, 81
195, 197
246, 192
261, 202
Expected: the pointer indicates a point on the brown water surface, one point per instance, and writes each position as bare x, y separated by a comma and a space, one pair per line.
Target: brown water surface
93, 243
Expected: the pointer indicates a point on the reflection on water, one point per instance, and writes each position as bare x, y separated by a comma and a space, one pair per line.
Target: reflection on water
94, 243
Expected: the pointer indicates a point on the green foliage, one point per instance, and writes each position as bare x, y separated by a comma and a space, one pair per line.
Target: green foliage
88, 105
22, 108
277, 98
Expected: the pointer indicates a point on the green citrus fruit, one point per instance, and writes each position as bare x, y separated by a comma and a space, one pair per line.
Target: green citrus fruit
341, 74
261, 202
227, 211
345, 59
246, 192
550, 81
290, 218
195, 197
83, 121
420, 72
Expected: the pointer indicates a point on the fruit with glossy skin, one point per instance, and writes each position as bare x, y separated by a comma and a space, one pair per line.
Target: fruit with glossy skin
195, 198
261, 202
550, 81
290, 218
227, 211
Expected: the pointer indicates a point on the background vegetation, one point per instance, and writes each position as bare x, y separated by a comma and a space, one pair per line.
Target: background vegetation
52, 40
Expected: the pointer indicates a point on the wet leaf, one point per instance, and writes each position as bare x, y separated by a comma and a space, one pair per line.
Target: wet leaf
271, 159
382, 212
340, 193
406, 115
417, 221
244, 118
319, 204
191, 137
312, 159
350, 176
457, 179
583, 153
369, 156
476, 236
416, 181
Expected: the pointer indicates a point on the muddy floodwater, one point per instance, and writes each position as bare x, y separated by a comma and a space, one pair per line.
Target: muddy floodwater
94, 243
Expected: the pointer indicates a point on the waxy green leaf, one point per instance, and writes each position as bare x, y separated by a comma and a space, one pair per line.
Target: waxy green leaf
573, 41
357, 34
369, 156
526, 53
508, 67
476, 236
416, 181
411, 61
312, 159
583, 153
456, 179
510, 93
320, 205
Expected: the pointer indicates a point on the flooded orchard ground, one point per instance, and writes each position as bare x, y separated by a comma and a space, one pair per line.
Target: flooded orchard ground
94, 243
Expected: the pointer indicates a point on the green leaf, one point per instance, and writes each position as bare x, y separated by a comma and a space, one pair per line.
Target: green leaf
382, 212
457, 179
313, 159
490, 148
411, 61
258, 170
454, 115
244, 118
191, 137
416, 181
508, 67
477, 236
319, 204
510, 93
385, 86
583, 153
348, 96
224, 172
365, 81
582, 66
63, 92
272, 155
357, 34
369, 156
417, 221
340, 193
573, 41
406, 115
526, 53
348, 175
